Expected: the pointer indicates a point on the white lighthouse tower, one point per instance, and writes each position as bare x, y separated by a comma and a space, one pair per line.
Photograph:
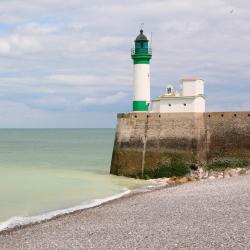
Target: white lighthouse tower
141, 56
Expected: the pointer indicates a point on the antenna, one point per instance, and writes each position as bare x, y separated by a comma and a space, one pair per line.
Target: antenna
151, 39
142, 25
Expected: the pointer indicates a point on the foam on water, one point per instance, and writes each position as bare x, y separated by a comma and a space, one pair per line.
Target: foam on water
21, 221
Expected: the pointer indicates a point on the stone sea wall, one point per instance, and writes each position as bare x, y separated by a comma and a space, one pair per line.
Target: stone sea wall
145, 141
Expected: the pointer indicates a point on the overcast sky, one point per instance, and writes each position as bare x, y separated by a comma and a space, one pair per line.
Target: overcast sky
67, 63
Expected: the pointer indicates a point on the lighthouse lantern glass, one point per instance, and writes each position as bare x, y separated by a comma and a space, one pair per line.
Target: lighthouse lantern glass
141, 44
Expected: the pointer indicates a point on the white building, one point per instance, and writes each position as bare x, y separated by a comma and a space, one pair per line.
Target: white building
190, 99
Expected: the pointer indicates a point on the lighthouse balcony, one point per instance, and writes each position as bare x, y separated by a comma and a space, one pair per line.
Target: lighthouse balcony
141, 51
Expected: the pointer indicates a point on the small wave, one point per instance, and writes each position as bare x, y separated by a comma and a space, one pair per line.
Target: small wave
21, 221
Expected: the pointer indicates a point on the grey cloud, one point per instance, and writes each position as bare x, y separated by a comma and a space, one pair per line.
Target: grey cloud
117, 97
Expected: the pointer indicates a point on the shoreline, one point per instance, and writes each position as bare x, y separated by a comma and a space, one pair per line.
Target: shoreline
153, 185
201, 214
55, 214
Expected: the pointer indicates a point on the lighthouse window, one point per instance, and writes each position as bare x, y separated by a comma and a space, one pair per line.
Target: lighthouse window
137, 45
169, 105
185, 104
141, 44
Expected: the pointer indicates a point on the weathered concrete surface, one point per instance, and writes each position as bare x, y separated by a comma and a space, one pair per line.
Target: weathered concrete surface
198, 215
144, 141
228, 135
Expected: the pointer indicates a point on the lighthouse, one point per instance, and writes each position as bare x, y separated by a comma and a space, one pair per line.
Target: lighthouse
141, 55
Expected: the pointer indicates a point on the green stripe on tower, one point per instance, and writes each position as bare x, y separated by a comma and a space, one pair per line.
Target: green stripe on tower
141, 60
140, 106
141, 56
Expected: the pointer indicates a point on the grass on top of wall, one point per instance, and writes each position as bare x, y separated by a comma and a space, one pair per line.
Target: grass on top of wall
175, 168
222, 165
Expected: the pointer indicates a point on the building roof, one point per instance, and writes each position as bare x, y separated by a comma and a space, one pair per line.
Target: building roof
141, 37
169, 97
190, 79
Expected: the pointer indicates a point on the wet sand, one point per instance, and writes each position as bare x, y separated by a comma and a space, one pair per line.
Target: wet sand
211, 214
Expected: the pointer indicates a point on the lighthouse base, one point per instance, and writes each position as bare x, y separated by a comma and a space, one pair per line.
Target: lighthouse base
140, 106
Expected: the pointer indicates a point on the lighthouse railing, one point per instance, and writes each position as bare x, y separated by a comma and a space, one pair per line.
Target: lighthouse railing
141, 51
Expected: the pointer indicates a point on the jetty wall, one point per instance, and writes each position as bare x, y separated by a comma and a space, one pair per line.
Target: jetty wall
145, 141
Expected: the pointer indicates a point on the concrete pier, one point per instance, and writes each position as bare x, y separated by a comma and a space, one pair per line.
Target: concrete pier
145, 141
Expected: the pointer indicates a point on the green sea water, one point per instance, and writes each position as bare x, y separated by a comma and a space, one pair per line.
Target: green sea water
42, 170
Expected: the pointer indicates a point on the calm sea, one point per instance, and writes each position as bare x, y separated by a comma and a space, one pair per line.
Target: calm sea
44, 170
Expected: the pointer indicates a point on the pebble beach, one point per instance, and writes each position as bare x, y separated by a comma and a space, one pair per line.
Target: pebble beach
210, 214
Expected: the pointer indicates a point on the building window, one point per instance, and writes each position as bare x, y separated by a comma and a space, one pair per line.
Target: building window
185, 104
169, 105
